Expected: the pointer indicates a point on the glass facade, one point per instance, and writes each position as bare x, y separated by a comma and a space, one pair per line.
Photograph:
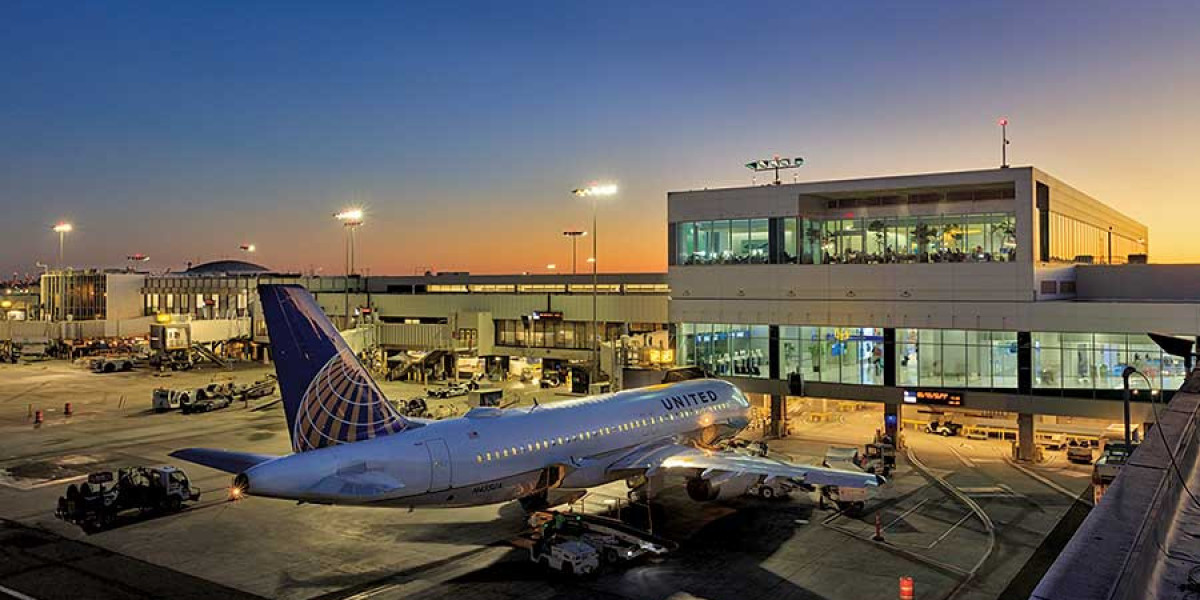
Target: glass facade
832, 354
570, 335
1095, 361
956, 358
985, 237
725, 349
730, 241
989, 237
1071, 240
930, 358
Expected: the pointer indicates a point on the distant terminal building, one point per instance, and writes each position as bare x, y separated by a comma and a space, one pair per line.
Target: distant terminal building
84, 294
1007, 287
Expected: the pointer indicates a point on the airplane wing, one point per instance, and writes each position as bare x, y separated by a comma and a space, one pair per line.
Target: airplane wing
676, 457
222, 460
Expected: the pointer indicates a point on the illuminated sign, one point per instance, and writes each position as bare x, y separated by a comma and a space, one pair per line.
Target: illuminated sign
933, 397
548, 315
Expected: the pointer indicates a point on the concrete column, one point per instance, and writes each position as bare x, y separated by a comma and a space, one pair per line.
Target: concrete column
773, 358
891, 422
1024, 437
1024, 362
777, 426
889, 357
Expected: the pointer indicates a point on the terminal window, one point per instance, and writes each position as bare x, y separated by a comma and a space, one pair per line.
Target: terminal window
1072, 240
988, 237
724, 349
832, 354
956, 358
971, 237
1094, 361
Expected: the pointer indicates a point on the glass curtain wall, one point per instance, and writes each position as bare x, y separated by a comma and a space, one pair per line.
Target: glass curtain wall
732, 241
956, 358
832, 354
1095, 361
989, 237
727, 350
1071, 239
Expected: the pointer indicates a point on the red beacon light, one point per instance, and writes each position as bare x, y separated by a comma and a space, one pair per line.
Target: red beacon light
1003, 122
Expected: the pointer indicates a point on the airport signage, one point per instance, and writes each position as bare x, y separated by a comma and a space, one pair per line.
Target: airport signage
938, 397
548, 315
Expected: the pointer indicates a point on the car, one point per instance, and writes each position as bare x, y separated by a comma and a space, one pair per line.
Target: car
945, 429
1079, 453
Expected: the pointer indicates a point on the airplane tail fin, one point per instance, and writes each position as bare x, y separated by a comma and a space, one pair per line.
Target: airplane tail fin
328, 396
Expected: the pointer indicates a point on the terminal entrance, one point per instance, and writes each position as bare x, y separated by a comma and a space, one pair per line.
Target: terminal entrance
1024, 437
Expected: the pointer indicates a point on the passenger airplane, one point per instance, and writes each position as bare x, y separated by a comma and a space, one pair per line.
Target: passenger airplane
350, 445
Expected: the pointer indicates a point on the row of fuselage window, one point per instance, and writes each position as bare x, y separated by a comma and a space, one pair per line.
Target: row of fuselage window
538, 446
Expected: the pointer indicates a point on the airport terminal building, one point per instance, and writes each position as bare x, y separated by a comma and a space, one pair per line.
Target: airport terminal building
1006, 287
1001, 292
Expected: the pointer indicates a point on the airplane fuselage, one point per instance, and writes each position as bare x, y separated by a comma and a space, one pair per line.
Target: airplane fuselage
492, 455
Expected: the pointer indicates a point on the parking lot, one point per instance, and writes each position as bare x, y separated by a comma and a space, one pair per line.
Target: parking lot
743, 548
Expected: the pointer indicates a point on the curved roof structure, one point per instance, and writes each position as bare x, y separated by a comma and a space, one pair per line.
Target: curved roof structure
230, 267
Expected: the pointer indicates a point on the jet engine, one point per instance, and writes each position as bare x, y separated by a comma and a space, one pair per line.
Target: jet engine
722, 486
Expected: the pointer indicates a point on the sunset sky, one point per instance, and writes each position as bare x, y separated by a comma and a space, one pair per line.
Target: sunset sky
181, 130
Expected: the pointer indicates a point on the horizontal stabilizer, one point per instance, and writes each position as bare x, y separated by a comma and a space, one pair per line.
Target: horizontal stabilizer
222, 460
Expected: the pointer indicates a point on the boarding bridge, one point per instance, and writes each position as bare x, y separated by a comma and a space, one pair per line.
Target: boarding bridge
1142, 539
416, 336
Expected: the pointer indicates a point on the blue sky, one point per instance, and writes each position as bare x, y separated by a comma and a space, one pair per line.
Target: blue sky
181, 130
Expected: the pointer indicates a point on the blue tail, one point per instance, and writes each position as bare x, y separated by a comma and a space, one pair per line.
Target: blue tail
328, 397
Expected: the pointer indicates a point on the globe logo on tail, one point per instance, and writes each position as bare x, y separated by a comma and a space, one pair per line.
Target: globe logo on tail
342, 405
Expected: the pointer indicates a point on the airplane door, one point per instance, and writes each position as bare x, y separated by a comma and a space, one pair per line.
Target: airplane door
439, 465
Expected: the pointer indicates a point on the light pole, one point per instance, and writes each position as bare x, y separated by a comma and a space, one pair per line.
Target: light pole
1003, 123
62, 229
574, 235
593, 191
1125, 375
351, 218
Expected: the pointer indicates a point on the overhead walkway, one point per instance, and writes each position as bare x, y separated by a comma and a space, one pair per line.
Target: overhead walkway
1142, 541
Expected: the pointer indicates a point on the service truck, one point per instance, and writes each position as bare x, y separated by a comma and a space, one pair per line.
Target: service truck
107, 495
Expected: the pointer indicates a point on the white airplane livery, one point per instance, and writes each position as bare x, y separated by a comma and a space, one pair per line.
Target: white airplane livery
350, 445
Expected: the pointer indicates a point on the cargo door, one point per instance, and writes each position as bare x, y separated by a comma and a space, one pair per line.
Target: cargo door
439, 464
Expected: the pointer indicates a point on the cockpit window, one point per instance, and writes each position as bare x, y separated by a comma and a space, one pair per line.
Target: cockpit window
740, 398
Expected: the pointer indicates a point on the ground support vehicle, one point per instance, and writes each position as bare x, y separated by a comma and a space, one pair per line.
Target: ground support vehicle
879, 458
569, 557
747, 447
414, 407
944, 428
852, 501
453, 390
107, 495
111, 364
258, 389
580, 536
1079, 453
165, 399
213, 396
771, 488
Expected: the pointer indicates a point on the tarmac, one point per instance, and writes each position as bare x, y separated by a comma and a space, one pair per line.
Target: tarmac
746, 548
